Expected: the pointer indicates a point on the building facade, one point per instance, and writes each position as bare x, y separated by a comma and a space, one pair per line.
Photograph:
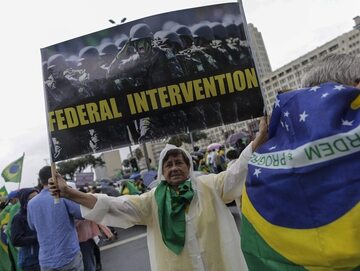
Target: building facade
289, 76
260, 55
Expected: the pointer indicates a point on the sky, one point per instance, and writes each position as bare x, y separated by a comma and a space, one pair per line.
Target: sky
290, 29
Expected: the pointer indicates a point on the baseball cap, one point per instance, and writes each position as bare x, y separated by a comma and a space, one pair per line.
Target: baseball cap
13, 194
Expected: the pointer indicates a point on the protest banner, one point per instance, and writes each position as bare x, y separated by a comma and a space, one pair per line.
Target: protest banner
84, 178
149, 79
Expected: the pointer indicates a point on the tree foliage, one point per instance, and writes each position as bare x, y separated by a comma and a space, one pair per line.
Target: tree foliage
178, 140
70, 167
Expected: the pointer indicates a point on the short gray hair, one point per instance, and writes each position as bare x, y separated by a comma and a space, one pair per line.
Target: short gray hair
340, 68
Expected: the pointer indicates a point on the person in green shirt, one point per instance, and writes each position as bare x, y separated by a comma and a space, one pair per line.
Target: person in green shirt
6, 220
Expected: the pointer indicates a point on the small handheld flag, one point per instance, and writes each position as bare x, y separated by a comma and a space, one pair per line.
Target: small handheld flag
12, 173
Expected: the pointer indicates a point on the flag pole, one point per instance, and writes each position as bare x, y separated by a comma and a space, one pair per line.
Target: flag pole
53, 176
22, 166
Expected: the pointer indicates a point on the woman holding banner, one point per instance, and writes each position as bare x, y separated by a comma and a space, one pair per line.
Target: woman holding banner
188, 223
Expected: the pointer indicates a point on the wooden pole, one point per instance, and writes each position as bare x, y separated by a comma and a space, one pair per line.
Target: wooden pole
53, 176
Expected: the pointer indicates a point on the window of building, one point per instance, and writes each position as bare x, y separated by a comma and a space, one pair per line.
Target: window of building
334, 47
323, 53
304, 62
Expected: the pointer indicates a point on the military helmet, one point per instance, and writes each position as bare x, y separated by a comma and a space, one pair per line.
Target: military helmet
72, 61
232, 30
219, 31
140, 31
168, 25
120, 42
168, 36
182, 30
203, 31
88, 52
107, 49
56, 60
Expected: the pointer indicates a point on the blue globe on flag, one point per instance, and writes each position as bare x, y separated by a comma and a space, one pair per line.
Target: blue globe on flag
14, 168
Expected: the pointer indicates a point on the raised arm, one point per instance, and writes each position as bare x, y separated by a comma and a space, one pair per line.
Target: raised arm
262, 135
60, 187
235, 175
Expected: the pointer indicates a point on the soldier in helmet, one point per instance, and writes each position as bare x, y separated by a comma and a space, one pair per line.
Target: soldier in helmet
206, 63
219, 43
59, 90
204, 38
89, 60
107, 53
238, 51
171, 40
121, 41
94, 78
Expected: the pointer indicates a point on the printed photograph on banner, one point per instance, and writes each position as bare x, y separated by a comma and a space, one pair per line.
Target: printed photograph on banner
148, 79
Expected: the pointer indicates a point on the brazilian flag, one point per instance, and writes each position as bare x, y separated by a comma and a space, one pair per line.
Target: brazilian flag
12, 173
301, 202
3, 191
129, 188
5, 264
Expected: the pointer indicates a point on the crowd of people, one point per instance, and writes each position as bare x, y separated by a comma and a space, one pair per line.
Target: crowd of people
189, 226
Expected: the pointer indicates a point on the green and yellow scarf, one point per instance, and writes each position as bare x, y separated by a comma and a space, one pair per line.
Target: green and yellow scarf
171, 208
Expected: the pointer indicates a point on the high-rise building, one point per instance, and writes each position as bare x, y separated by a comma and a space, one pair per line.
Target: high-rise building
289, 76
259, 51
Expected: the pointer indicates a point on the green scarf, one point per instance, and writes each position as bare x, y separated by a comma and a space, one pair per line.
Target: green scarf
171, 209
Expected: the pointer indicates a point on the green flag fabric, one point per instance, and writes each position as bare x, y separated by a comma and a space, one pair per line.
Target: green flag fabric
11, 249
131, 188
5, 264
12, 173
3, 191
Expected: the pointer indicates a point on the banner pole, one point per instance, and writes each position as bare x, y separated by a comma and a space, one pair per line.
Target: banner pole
53, 176
146, 155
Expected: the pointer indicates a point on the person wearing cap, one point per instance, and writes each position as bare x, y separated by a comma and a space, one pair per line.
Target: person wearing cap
188, 224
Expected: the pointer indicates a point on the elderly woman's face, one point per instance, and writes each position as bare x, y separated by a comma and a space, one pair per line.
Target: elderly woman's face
175, 170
